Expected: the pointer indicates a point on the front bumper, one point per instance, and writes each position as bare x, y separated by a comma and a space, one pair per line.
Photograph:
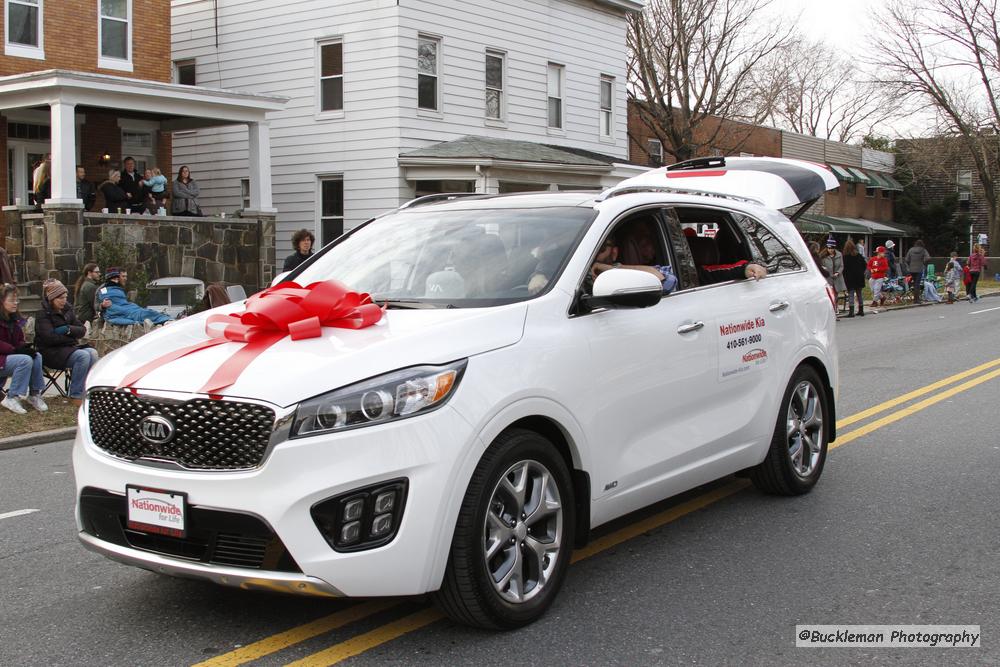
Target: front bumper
434, 452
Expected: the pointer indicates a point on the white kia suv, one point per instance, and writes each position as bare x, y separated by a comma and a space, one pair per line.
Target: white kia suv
544, 363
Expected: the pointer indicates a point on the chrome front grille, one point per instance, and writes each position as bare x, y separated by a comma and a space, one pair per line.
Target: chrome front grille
209, 434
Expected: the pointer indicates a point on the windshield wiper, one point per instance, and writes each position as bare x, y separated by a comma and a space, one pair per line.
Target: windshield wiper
404, 304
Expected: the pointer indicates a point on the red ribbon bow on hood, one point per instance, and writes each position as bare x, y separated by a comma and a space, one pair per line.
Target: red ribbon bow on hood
283, 310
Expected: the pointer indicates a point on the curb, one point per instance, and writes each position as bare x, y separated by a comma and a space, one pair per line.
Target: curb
907, 306
39, 438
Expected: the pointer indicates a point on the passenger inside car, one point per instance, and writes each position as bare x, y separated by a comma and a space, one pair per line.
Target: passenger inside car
639, 251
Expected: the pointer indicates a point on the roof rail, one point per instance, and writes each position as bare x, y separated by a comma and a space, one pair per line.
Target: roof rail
439, 196
630, 189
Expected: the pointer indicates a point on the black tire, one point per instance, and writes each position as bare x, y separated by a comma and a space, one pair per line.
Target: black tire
780, 473
468, 594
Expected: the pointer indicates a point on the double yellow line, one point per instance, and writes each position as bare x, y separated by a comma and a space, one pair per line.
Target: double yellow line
397, 628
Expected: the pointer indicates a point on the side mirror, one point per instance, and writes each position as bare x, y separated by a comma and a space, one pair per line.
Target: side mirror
625, 288
280, 278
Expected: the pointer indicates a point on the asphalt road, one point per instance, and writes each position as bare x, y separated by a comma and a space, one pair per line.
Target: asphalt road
902, 529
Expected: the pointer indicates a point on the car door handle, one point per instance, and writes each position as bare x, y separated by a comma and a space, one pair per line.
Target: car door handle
688, 328
781, 305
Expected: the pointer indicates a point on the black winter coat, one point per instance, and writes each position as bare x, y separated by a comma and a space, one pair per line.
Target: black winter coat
854, 271
114, 198
57, 348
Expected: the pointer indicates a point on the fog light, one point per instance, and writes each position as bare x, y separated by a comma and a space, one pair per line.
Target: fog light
381, 525
362, 518
353, 509
350, 532
384, 502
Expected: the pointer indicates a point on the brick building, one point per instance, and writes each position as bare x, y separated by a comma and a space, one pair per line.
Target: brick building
861, 207
89, 83
943, 167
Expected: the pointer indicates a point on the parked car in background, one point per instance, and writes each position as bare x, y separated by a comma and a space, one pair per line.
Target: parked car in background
174, 295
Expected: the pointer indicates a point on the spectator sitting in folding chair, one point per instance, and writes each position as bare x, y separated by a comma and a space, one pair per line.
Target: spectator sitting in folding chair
122, 311
57, 336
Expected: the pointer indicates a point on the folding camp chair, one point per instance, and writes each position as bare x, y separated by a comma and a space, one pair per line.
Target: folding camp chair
58, 378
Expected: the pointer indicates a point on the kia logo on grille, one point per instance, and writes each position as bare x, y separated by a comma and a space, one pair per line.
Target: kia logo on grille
156, 429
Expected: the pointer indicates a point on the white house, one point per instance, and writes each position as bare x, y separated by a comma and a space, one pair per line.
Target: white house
389, 99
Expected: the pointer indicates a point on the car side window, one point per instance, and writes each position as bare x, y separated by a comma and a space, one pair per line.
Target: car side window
636, 242
768, 250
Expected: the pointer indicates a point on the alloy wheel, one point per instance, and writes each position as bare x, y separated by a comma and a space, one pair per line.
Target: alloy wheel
523, 531
805, 429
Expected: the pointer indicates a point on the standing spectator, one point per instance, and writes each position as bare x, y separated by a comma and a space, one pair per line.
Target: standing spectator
890, 257
18, 361
185, 194
833, 262
854, 278
977, 264
953, 275
115, 199
817, 256
131, 183
36, 177
878, 267
122, 311
302, 241
85, 293
156, 183
860, 246
58, 334
85, 190
42, 185
915, 263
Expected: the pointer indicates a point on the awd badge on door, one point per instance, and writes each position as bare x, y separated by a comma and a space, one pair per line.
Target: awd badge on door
156, 429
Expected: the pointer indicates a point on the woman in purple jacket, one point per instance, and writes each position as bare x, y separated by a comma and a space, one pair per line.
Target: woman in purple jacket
17, 360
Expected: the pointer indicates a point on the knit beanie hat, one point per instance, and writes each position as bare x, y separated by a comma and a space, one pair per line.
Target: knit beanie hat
831, 242
113, 272
53, 289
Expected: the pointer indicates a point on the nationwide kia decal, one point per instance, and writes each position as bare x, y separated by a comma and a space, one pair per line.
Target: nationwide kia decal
759, 355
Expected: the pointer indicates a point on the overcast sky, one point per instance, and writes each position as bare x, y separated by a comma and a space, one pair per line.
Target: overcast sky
843, 23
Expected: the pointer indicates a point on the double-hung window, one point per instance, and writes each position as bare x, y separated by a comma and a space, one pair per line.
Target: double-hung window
654, 148
115, 34
331, 76
607, 106
494, 84
428, 63
23, 19
331, 220
556, 74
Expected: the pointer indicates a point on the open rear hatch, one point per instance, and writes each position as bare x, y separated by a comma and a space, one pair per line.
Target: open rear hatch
772, 182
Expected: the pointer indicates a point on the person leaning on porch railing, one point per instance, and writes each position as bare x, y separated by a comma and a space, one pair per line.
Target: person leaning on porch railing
18, 361
184, 197
115, 199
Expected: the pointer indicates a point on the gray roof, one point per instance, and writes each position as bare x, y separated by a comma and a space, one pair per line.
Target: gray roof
488, 148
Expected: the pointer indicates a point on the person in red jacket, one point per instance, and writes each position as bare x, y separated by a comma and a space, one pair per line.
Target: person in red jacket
878, 266
977, 264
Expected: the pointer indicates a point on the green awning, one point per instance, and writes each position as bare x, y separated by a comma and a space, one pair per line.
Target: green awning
893, 183
863, 177
842, 174
826, 223
880, 179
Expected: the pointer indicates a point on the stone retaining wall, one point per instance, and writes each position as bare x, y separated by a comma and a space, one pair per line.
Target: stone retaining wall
59, 241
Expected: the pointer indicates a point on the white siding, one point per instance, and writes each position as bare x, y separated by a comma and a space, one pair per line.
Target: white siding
843, 154
877, 160
268, 46
802, 147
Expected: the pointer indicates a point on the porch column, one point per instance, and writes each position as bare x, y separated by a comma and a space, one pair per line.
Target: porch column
63, 154
260, 167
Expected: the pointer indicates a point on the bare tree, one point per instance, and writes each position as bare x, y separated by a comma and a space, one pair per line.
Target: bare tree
816, 91
944, 55
692, 60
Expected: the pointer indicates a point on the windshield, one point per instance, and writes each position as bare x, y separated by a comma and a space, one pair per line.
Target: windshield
464, 258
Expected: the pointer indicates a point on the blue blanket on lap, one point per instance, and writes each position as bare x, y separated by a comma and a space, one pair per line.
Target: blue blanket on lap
123, 312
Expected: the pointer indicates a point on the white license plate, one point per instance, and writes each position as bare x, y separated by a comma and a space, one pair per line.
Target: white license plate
156, 511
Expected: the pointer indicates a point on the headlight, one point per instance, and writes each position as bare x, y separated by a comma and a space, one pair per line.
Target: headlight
396, 395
